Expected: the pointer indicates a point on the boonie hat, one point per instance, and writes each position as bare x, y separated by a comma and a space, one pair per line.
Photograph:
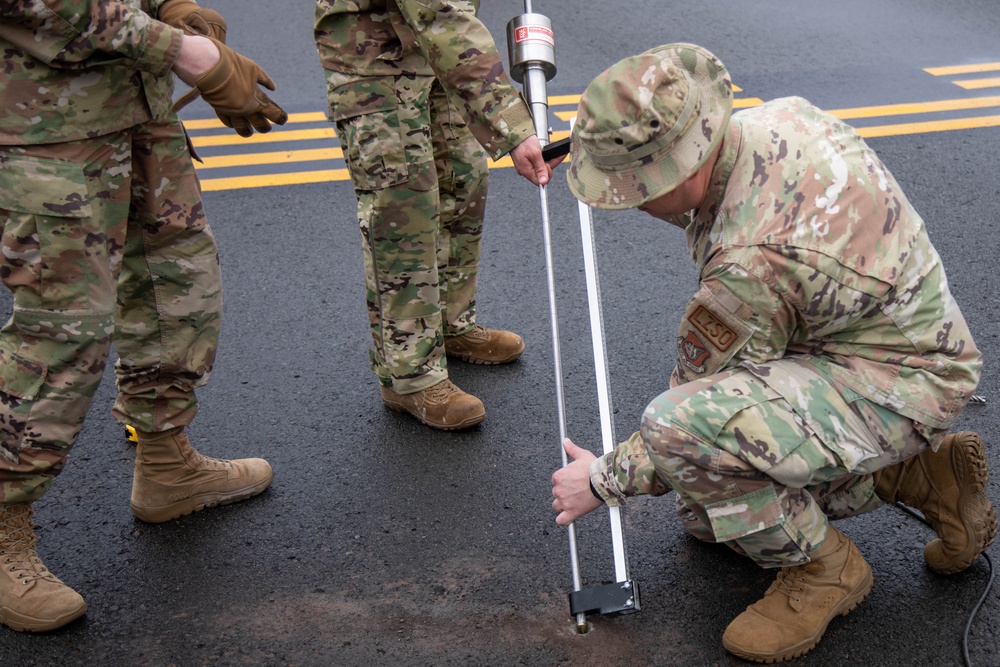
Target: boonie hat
647, 124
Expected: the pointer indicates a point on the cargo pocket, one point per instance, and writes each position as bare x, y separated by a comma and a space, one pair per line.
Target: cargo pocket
369, 129
823, 409
738, 517
760, 527
42, 228
20, 378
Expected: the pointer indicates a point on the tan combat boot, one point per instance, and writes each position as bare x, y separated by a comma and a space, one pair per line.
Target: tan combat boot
442, 406
793, 614
32, 599
172, 479
949, 487
484, 346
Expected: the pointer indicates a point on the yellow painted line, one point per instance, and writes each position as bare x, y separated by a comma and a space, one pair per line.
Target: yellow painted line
216, 124
975, 84
271, 137
918, 107
297, 178
929, 126
741, 103
963, 69
557, 100
278, 157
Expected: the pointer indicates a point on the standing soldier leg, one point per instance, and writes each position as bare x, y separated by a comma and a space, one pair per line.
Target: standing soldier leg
63, 210
391, 159
167, 329
463, 177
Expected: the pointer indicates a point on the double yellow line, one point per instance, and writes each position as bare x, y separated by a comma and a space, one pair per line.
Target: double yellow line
327, 135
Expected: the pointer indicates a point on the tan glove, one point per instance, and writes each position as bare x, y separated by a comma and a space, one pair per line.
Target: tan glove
231, 87
193, 19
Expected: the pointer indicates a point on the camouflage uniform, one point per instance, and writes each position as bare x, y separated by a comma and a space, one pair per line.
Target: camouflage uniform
104, 236
417, 91
822, 345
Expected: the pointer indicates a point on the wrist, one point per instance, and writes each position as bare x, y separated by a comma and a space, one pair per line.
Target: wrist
593, 489
197, 56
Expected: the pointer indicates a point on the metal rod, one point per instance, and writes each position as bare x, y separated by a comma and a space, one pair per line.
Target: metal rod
603, 378
581, 619
534, 85
560, 396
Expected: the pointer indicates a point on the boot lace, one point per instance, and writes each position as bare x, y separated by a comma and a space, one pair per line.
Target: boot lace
17, 548
477, 331
199, 461
440, 392
791, 582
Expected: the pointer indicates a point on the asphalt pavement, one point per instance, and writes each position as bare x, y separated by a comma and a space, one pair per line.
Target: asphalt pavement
383, 542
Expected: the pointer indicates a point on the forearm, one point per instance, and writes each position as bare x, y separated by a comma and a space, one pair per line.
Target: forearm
465, 59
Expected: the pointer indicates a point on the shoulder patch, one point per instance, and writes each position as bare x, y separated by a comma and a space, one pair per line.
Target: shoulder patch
718, 333
693, 352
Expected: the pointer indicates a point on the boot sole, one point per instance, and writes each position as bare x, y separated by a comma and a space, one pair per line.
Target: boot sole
467, 423
974, 454
849, 604
472, 359
22, 623
197, 503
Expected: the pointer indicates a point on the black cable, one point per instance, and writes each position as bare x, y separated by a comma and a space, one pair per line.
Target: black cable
975, 610
982, 599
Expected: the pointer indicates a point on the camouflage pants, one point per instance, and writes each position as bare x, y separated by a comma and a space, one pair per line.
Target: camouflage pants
103, 240
762, 457
421, 180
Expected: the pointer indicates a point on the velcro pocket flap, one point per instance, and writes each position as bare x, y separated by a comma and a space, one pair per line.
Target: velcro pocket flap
57, 187
746, 515
358, 98
20, 376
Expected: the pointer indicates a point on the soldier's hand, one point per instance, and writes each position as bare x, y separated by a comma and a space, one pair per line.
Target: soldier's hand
528, 161
232, 87
571, 486
193, 19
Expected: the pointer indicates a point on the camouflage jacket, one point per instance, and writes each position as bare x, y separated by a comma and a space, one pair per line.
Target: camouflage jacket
374, 38
82, 68
808, 248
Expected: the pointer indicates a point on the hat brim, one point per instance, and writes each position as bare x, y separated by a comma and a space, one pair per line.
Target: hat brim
631, 186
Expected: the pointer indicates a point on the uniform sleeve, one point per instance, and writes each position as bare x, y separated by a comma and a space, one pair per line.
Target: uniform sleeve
736, 316
465, 59
624, 472
77, 34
